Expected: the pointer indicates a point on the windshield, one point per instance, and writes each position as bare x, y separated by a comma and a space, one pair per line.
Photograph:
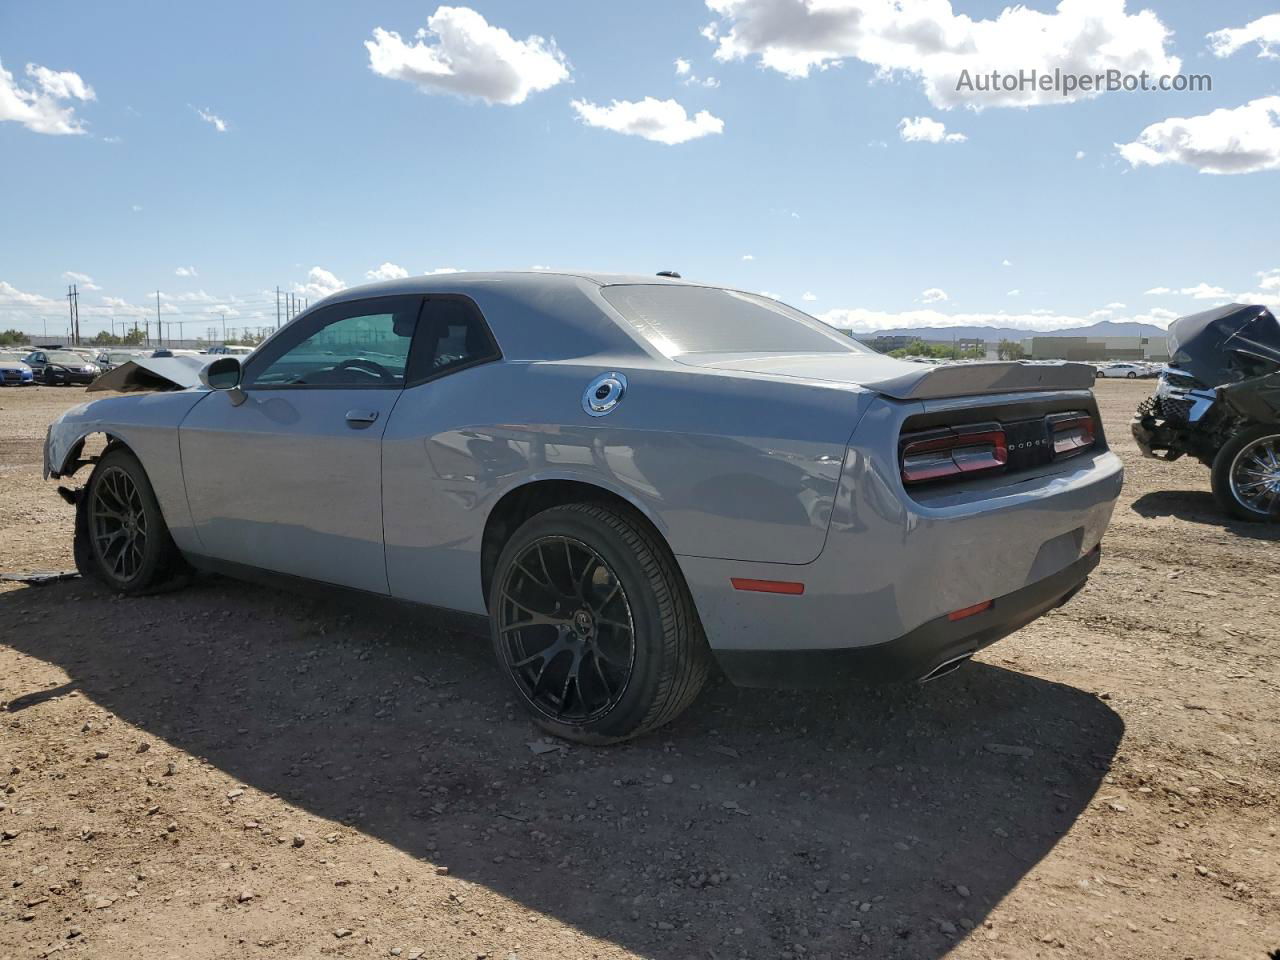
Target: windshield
65, 357
681, 320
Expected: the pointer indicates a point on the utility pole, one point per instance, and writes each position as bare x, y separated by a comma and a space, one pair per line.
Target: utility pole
277, 306
159, 329
71, 315
224, 327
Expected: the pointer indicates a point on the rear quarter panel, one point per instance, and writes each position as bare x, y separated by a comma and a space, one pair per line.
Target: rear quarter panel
740, 467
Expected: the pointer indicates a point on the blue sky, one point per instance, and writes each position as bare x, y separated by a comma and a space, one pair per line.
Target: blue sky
793, 153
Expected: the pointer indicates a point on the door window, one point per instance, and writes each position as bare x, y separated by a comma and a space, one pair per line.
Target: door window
350, 345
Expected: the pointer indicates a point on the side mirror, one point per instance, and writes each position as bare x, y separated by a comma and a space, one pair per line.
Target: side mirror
222, 374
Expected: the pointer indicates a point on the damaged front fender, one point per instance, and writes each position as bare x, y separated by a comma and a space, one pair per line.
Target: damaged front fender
146, 424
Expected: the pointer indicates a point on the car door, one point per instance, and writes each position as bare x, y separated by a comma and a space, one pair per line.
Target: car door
434, 465
285, 473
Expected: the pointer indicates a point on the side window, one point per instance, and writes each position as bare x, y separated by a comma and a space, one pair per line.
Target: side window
453, 336
361, 344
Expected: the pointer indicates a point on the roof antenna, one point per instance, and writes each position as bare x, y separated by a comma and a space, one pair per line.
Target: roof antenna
669, 273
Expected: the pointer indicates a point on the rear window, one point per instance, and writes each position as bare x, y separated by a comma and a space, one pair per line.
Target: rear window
681, 320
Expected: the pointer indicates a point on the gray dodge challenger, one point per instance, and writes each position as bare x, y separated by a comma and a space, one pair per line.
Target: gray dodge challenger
631, 478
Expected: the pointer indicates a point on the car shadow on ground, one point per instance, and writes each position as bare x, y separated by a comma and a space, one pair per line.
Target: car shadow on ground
759, 822
1199, 506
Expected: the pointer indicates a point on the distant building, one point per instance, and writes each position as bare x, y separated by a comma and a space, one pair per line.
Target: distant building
1095, 349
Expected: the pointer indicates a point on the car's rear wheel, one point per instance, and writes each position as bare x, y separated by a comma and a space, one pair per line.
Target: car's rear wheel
1246, 474
593, 624
122, 538
1131, 375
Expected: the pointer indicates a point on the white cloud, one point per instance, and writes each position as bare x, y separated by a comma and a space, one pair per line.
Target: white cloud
748, 256
320, 283
1115, 306
190, 296
809, 296
1204, 291
185, 272
82, 280
12, 296
1265, 32
928, 40
388, 271
928, 130
1269, 279
211, 118
42, 108
1079, 154
933, 295
1013, 293
437, 271
1101, 314
771, 296
1228, 140
1201, 291
1006, 263
136, 208
459, 52
664, 121
684, 70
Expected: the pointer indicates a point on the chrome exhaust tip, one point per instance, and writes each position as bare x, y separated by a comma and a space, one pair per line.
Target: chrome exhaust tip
946, 667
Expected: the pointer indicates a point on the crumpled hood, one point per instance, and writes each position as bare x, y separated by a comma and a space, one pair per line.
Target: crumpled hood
152, 373
1226, 345
904, 380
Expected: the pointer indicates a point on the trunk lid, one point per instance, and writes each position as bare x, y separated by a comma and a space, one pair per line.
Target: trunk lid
905, 380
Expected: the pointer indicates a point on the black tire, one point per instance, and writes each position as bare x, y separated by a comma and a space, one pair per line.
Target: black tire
118, 506
1131, 375
1226, 462
635, 571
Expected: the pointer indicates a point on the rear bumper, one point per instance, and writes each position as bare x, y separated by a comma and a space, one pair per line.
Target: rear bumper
914, 655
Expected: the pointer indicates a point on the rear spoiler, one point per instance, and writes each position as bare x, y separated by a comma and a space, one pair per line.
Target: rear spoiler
970, 379
152, 374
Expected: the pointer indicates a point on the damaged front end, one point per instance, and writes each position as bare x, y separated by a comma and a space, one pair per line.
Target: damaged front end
1223, 376
1219, 400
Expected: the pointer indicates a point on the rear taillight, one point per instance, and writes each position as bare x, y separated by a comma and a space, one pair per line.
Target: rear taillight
964, 451
1072, 433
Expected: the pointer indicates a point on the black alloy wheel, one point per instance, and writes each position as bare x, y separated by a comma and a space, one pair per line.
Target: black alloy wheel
593, 624
566, 629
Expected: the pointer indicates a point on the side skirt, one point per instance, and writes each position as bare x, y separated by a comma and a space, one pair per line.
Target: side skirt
458, 620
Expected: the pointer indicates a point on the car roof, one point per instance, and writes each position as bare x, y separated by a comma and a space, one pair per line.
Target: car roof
535, 314
530, 281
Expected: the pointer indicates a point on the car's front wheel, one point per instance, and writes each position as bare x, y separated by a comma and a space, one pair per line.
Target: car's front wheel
121, 535
1246, 474
594, 626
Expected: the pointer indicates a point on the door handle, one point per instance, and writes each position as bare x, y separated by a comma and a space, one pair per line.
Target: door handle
360, 418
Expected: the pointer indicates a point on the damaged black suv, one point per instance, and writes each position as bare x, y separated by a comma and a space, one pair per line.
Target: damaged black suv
1219, 400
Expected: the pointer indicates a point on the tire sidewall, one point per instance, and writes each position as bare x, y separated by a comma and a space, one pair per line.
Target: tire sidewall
154, 556
646, 611
1221, 476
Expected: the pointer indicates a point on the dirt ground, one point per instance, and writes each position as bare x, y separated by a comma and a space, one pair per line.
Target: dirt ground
231, 771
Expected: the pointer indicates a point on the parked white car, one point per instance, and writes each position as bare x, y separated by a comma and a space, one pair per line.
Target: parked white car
1131, 371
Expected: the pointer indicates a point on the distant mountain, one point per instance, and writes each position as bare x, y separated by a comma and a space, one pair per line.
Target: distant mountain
1104, 328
